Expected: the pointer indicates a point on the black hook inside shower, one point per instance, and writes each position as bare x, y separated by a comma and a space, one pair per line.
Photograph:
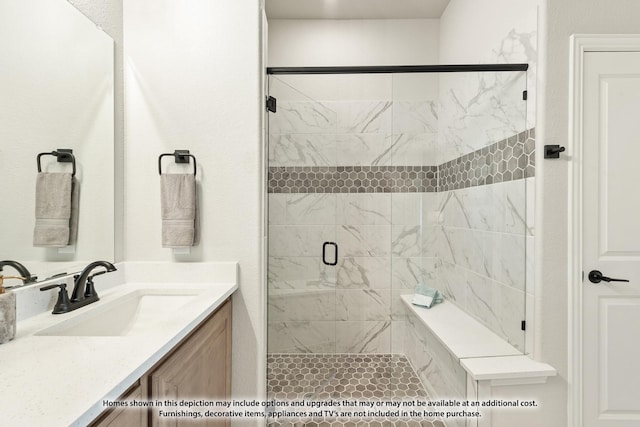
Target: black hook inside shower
64, 155
181, 156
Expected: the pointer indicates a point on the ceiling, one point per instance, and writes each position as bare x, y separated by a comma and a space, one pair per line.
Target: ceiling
355, 9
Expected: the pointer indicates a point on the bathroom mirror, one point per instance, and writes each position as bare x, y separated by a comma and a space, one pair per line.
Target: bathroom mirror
56, 86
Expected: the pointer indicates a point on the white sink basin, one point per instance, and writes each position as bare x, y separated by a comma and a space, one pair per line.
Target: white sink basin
134, 313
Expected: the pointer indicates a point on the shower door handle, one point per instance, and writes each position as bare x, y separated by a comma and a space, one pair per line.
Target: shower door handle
324, 253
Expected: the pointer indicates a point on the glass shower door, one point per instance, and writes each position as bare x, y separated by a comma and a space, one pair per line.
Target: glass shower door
301, 288
328, 197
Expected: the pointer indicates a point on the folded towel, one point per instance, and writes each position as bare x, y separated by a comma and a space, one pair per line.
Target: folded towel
56, 205
196, 226
75, 205
425, 296
178, 205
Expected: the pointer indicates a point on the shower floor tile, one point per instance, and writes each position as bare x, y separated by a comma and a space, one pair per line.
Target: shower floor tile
338, 377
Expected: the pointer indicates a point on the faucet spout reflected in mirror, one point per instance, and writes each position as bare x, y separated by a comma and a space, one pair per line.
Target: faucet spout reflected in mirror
21, 269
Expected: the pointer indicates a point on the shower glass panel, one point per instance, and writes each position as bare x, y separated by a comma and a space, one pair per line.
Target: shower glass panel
398, 179
469, 235
327, 141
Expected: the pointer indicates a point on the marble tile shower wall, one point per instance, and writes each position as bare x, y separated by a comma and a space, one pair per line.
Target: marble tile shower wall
478, 109
348, 308
356, 133
354, 306
468, 240
485, 250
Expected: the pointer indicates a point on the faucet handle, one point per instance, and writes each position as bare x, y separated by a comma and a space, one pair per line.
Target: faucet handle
90, 289
63, 303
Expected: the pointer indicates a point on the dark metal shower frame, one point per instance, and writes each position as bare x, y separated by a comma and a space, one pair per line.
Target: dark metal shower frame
384, 69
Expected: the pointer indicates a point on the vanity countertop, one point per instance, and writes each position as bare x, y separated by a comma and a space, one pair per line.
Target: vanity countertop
63, 380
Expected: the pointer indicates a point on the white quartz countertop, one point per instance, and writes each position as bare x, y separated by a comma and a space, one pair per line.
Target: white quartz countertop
62, 380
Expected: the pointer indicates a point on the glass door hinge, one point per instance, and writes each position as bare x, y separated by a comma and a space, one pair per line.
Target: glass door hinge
271, 104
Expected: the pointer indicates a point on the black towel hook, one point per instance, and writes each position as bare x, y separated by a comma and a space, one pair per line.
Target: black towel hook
181, 156
64, 155
553, 151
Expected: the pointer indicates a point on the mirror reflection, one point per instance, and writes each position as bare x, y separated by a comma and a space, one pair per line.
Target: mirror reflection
57, 94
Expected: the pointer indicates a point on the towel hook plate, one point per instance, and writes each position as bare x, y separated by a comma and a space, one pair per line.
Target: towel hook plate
64, 155
181, 156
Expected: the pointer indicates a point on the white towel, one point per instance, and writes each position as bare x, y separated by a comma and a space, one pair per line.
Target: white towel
178, 205
56, 210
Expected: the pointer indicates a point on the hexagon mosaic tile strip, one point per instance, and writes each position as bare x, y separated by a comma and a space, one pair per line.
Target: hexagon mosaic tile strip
353, 179
352, 377
507, 160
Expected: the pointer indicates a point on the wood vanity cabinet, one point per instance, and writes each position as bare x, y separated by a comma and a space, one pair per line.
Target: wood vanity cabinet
120, 417
199, 367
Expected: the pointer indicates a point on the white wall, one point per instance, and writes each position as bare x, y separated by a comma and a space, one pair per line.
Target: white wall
193, 81
311, 42
561, 19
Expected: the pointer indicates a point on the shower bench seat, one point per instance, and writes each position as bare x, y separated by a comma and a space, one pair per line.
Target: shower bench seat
458, 357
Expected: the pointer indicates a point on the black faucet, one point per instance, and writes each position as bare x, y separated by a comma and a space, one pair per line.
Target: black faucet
84, 292
79, 291
21, 269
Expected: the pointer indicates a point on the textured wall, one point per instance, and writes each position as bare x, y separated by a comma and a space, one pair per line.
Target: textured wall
307, 42
193, 81
560, 19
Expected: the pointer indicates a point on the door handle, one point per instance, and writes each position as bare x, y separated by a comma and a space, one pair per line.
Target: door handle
324, 253
596, 276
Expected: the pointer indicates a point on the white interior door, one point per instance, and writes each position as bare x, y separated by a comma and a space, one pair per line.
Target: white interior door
611, 239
